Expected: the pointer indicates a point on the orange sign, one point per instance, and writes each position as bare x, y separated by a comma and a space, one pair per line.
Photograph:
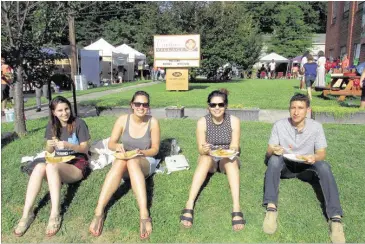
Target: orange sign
177, 79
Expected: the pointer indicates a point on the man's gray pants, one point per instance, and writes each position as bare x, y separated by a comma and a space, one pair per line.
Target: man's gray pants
38, 94
278, 167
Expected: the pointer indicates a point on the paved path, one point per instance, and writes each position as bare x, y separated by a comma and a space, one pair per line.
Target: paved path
265, 115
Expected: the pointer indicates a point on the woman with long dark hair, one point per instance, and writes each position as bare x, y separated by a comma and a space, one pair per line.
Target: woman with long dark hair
139, 134
65, 135
217, 130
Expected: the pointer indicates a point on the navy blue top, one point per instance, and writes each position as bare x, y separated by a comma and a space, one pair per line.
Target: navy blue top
310, 69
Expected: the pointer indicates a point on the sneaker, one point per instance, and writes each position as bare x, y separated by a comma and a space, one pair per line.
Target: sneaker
337, 235
270, 223
38, 110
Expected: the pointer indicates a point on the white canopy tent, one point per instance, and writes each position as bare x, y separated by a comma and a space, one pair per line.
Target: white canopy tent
278, 58
111, 57
133, 58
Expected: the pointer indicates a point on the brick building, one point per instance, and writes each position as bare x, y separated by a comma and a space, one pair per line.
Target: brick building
346, 30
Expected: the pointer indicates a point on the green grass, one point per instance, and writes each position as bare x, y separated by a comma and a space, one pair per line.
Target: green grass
300, 218
68, 94
255, 93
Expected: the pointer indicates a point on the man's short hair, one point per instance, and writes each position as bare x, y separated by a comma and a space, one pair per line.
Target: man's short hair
300, 97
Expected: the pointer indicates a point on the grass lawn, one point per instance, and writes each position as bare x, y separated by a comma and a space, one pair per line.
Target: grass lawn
253, 93
68, 94
300, 215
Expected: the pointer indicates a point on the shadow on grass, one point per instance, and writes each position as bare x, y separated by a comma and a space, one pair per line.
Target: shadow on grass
197, 87
348, 105
205, 183
70, 194
310, 178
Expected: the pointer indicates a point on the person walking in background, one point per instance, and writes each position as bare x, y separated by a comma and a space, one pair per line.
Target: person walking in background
302, 63
310, 74
295, 71
362, 85
39, 88
345, 63
304, 138
321, 70
6, 81
272, 67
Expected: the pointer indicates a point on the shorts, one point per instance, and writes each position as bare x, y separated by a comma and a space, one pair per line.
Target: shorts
217, 160
309, 80
80, 163
152, 167
363, 91
4, 92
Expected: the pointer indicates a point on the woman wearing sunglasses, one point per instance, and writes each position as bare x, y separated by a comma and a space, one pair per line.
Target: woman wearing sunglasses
216, 130
137, 131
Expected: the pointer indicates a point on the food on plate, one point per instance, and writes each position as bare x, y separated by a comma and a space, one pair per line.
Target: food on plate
222, 153
301, 157
129, 154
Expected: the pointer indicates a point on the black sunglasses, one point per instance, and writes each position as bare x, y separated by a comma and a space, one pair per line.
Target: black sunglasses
213, 105
138, 104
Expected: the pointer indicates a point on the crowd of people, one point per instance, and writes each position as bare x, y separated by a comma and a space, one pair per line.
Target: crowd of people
218, 130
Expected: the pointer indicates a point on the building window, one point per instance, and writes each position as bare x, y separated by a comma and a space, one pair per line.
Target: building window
331, 51
363, 15
357, 48
346, 8
342, 51
334, 12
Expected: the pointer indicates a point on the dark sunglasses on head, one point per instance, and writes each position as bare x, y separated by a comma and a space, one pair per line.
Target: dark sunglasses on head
137, 104
213, 105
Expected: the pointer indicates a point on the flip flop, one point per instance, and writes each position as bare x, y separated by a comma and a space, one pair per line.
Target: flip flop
98, 225
23, 225
54, 224
189, 219
144, 230
238, 221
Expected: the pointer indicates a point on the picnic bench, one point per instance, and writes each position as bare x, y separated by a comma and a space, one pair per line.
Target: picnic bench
342, 85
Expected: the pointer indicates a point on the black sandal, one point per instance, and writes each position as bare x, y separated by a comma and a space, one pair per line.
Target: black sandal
189, 219
238, 221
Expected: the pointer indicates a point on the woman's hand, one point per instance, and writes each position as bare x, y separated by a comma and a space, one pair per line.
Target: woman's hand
206, 148
61, 144
119, 148
51, 143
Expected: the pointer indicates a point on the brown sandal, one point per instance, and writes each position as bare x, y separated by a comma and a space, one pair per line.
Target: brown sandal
98, 224
144, 231
23, 225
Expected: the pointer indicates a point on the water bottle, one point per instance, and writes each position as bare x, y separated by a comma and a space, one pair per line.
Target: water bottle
174, 147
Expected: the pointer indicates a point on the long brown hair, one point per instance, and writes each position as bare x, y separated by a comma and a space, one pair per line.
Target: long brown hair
56, 124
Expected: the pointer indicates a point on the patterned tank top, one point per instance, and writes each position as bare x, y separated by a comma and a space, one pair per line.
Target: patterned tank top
219, 135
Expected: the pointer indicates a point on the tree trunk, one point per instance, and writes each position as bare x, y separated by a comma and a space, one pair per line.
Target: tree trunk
19, 127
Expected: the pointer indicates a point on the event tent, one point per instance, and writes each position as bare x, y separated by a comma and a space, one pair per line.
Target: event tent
278, 58
133, 53
297, 59
105, 48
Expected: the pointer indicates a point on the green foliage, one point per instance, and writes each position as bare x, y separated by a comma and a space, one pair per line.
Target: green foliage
292, 36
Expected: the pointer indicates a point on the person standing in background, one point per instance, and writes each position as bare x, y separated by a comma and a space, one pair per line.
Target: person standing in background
272, 67
6, 81
345, 63
362, 85
39, 88
321, 70
302, 63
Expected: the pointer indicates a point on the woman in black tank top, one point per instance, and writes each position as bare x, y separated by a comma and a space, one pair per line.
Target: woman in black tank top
216, 130
138, 131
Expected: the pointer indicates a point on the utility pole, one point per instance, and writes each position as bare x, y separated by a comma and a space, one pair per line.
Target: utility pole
72, 40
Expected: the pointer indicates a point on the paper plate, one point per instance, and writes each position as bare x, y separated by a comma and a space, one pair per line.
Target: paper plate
50, 158
293, 157
128, 155
223, 153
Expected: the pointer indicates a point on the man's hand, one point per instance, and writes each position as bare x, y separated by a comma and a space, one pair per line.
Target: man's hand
277, 150
310, 159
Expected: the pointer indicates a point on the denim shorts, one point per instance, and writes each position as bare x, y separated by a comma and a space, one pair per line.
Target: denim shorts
309, 80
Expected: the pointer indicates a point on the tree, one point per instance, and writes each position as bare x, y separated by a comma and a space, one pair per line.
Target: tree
291, 35
26, 27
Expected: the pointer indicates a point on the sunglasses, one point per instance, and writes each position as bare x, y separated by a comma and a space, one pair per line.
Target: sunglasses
213, 105
138, 104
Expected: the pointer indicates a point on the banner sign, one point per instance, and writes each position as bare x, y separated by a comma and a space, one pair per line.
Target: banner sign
177, 79
177, 50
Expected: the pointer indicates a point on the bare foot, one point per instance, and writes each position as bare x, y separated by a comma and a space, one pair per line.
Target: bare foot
145, 228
